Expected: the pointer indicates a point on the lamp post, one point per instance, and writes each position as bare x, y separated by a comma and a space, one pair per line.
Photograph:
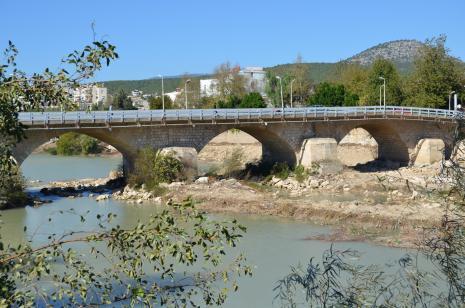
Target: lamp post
292, 81
380, 94
162, 93
384, 89
450, 98
185, 90
281, 84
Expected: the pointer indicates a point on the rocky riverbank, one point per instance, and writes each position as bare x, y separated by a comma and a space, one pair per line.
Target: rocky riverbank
387, 207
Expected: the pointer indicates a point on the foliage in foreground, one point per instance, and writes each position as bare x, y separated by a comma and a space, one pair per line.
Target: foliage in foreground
153, 167
150, 264
20, 92
339, 282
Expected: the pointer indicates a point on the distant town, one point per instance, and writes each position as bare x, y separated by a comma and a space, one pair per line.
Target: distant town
96, 96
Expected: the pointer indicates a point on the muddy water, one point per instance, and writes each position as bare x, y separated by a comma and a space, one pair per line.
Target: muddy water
272, 245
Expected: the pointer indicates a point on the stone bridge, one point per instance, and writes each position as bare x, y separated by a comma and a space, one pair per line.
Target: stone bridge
283, 133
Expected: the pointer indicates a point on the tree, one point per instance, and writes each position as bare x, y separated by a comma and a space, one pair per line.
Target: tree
252, 100
157, 102
121, 101
353, 76
231, 102
230, 82
143, 265
301, 73
328, 94
19, 92
435, 75
386, 69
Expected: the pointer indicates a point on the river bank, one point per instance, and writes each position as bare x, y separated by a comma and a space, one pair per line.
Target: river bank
386, 207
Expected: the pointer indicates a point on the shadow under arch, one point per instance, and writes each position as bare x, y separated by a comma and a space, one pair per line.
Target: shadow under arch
275, 149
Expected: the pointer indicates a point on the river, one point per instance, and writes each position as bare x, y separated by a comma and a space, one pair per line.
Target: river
271, 245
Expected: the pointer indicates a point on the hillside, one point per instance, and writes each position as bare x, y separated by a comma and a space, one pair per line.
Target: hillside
148, 86
401, 52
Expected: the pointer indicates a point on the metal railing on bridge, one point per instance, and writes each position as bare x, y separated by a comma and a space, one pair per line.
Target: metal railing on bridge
177, 116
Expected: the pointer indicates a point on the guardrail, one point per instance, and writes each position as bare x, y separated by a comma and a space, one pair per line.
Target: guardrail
176, 116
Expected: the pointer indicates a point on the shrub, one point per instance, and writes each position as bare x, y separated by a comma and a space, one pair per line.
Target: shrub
12, 190
281, 170
233, 162
152, 168
76, 144
68, 145
301, 174
89, 145
253, 100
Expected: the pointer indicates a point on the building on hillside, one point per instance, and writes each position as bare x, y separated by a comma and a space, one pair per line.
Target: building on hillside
136, 93
89, 95
173, 95
208, 87
255, 79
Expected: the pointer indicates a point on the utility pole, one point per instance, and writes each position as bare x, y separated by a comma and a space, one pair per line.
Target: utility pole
384, 89
292, 81
281, 84
185, 90
450, 99
162, 93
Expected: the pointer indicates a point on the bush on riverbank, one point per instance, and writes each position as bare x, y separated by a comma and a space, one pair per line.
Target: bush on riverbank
75, 144
152, 168
12, 191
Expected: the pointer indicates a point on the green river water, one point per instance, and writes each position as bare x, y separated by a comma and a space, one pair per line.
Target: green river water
271, 245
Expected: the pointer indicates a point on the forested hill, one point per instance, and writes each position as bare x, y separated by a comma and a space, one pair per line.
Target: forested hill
401, 52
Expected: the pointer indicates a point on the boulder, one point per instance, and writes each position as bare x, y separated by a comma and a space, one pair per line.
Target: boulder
102, 197
202, 180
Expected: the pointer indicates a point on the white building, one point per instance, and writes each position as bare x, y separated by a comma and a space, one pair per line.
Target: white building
208, 87
87, 95
255, 79
136, 93
173, 95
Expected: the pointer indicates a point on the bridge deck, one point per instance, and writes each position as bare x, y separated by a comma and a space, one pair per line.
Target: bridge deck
58, 120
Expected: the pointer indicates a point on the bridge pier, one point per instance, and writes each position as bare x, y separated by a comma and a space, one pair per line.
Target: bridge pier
321, 152
429, 151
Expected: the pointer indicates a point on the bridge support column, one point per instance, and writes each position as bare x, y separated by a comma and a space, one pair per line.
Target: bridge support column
321, 152
429, 151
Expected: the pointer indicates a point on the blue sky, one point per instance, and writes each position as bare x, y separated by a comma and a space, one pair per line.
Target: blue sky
173, 37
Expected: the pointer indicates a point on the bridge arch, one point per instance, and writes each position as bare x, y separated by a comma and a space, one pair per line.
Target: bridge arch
358, 147
391, 147
275, 148
36, 138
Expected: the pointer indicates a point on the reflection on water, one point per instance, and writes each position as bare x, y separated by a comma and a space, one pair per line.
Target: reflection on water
272, 245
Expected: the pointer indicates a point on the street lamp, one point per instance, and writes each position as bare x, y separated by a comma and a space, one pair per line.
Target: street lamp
281, 84
380, 94
185, 90
162, 93
292, 81
384, 89
450, 98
